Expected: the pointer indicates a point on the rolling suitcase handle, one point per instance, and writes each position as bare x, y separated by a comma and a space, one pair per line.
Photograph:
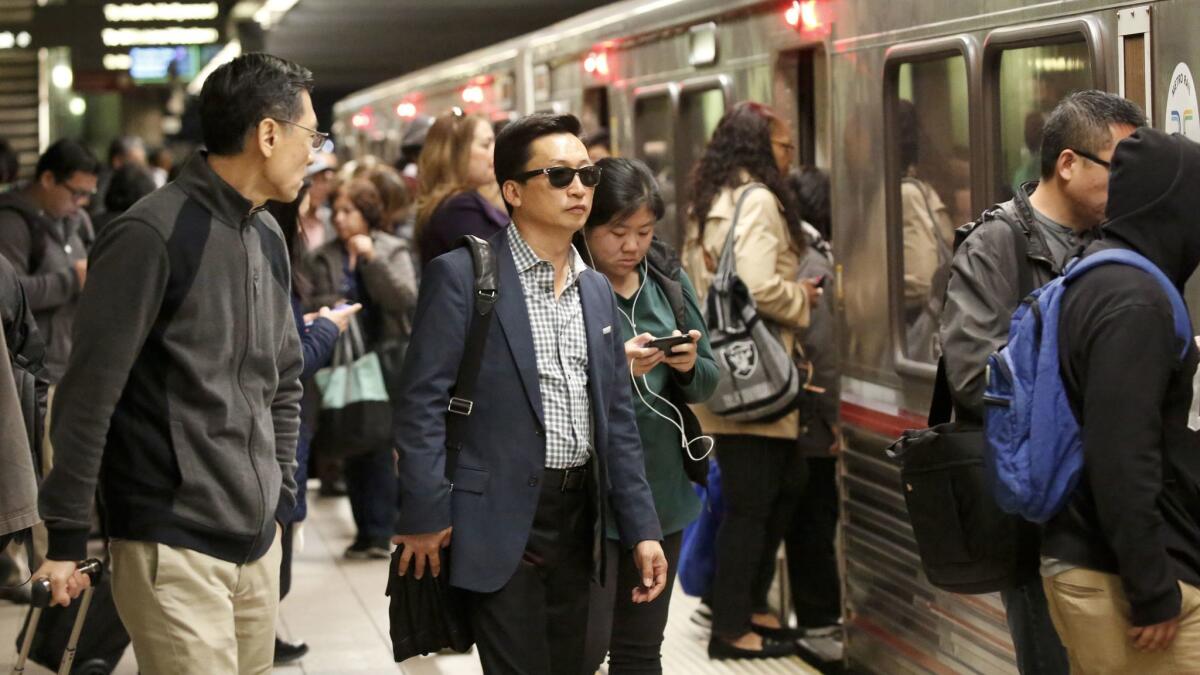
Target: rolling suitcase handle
41, 600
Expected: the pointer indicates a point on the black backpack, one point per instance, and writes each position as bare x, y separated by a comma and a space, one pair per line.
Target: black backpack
966, 543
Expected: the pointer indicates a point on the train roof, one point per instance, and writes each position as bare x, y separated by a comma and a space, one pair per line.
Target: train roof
621, 20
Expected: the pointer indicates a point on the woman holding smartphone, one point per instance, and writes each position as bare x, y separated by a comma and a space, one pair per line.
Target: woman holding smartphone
656, 300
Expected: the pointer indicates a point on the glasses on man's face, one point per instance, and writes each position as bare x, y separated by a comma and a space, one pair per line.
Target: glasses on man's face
79, 194
1089, 156
318, 138
562, 176
785, 144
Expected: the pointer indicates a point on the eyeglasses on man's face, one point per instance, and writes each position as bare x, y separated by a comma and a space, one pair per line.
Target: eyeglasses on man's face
318, 138
562, 176
78, 194
1089, 156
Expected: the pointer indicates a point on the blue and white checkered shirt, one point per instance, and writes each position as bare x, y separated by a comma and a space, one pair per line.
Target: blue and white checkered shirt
560, 341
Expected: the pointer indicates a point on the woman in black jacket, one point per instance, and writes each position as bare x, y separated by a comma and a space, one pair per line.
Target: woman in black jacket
318, 334
456, 170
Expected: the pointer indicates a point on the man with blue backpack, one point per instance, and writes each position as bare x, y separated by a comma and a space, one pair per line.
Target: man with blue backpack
1013, 248
1087, 423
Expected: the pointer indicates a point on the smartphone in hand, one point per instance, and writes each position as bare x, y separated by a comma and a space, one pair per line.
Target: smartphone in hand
666, 344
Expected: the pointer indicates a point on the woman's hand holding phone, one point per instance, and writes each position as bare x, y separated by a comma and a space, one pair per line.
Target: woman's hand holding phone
682, 357
640, 356
340, 315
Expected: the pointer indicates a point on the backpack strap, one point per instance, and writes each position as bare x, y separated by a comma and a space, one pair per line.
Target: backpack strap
727, 267
1122, 256
462, 401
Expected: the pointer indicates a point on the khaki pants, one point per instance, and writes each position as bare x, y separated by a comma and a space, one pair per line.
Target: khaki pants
1091, 615
189, 613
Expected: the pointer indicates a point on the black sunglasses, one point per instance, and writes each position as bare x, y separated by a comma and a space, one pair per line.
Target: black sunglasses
1088, 155
562, 176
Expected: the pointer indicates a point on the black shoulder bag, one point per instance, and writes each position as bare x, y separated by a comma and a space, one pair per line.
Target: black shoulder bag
428, 615
966, 543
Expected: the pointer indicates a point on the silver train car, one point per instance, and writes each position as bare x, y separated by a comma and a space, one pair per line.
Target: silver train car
980, 76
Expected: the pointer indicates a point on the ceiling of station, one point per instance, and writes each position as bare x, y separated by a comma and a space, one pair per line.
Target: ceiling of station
351, 44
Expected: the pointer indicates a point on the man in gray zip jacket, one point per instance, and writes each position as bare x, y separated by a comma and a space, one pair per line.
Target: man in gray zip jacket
182, 395
1057, 215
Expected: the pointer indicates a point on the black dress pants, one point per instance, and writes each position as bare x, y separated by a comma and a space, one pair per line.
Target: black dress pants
537, 623
762, 480
811, 556
630, 633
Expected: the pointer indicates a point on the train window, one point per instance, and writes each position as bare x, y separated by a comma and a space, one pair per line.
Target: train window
930, 143
1032, 80
655, 145
699, 111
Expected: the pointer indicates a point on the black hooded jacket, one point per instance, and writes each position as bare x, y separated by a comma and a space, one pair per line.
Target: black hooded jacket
1136, 512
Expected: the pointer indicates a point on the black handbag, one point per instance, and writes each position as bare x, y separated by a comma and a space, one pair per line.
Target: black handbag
428, 615
966, 543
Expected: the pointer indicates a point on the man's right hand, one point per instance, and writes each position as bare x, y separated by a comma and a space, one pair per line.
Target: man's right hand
812, 290
66, 581
424, 548
1156, 637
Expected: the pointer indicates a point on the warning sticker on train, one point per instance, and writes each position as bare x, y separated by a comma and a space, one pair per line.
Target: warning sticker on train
1182, 110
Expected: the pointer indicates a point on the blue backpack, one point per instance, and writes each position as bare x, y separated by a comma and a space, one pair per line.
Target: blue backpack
1034, 452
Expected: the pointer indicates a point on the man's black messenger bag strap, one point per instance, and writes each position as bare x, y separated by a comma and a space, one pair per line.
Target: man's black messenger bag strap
966, 543
427, 615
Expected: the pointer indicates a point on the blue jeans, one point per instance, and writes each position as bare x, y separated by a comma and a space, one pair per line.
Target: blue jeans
1039, 650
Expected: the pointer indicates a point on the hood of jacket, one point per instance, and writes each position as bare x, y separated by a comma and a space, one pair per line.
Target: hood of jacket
1154, 201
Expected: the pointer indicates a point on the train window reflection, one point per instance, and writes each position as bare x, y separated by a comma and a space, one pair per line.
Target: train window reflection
699, 112
931, 138
655, 146
1032, 81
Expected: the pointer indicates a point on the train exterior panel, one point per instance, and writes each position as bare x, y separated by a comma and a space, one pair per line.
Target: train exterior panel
977, 72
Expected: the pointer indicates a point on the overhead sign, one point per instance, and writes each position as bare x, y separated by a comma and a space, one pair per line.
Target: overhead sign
1182, 109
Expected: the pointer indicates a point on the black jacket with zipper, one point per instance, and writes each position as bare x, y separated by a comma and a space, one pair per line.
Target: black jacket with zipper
183, 401
1136, 511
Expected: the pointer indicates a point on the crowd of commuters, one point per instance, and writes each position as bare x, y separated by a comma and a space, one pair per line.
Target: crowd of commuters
189, 394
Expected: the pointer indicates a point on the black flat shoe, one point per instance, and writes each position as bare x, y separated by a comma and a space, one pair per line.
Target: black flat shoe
286, 652
719, 650
778, 634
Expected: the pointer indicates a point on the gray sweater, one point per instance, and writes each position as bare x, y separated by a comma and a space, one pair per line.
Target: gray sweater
182, 395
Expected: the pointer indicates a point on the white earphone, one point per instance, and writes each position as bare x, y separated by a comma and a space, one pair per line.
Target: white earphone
684, 441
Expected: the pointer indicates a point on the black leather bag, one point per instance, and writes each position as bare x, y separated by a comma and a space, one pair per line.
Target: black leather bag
966, 543
428, 615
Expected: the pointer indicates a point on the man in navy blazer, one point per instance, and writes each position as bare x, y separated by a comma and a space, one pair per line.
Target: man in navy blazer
551, 444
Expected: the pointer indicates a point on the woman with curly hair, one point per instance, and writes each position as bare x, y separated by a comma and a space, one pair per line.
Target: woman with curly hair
762, 472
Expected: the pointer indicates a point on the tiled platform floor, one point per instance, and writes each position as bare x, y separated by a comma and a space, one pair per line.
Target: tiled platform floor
338, 607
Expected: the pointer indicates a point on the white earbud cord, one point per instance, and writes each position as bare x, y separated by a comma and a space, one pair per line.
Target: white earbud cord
683, 439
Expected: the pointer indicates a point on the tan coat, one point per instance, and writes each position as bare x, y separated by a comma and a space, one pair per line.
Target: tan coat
768, 265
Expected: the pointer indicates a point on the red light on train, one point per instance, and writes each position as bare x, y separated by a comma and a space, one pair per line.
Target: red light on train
472, 94
596, 63
361, 119
407, 110
806, 16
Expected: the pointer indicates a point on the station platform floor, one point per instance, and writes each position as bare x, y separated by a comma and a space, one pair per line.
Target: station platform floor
338, 607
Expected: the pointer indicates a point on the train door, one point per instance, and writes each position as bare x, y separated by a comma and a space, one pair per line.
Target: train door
654, 114
702, 102
594, 115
